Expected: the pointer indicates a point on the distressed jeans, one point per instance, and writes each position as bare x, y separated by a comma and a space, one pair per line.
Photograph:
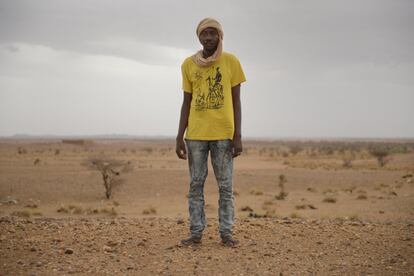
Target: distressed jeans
222, 162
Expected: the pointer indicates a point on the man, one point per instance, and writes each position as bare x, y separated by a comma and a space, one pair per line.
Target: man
211, 114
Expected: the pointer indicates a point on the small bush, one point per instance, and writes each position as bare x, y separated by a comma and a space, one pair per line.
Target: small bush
111, 211
21, 150
256, 192
110, 171
310, 189
362, 197
381, 154
149, 211
282, 194
246, 209
62, 209
329, 200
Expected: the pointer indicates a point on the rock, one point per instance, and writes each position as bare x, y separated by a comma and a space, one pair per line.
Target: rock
180, 221
108, 248
112, 243
69, 251
33, 249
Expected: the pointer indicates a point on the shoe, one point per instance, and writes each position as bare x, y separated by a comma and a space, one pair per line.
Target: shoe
229, 241
192, 240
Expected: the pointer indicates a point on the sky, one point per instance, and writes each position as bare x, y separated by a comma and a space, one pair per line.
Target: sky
322, 68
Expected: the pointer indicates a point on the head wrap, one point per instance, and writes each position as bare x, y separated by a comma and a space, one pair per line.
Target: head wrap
198, 57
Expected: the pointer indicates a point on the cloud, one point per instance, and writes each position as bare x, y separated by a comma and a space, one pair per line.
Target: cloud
44, 90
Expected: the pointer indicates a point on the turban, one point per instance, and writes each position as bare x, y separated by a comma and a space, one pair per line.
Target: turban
198, 57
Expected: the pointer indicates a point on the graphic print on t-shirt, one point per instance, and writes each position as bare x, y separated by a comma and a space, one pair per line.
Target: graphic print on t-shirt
213, 97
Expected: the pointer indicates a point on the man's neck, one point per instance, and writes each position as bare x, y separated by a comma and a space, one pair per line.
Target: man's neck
208, 53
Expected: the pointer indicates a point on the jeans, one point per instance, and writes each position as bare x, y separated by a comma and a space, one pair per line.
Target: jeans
222, 161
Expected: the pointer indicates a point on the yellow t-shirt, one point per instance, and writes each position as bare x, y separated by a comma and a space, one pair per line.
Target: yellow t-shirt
211, 113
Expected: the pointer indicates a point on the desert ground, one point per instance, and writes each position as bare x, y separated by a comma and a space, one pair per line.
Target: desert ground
342, 207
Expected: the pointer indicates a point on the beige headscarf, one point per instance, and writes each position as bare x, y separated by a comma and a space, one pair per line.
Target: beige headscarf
198, 57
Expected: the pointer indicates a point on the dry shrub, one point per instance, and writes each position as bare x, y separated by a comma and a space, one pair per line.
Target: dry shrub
21, 150
347, 161
148, 150
354, 217
282, 194
295, 215
109, 211
267, 214
350, 189
31, 205
36, 161
149, 211
57, 151
267, 202
305, 206
381, 154
295, 149
301, 207
329, 199
256, 192
246, 209
362, 197
110, 170
62, 209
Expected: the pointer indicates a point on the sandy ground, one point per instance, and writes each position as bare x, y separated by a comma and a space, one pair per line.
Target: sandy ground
335, 220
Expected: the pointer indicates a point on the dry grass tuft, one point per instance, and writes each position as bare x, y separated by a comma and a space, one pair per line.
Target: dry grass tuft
329, 199
246, 209
256, 192
149, 211
295, 215
362, 197
310, 189
109, 211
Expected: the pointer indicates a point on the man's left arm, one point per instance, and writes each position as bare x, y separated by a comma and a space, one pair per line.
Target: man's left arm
237, 143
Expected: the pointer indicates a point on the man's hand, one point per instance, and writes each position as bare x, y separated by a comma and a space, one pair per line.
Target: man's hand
180, 149
237, 146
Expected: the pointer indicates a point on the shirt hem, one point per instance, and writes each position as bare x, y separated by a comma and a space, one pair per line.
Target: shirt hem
206, 138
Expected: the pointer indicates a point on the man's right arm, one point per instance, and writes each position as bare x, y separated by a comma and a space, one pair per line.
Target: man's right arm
185, 112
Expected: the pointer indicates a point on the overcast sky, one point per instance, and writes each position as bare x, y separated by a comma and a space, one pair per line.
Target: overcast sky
313, 68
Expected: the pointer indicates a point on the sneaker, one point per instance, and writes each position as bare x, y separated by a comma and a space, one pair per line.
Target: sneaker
229, 241
192, 240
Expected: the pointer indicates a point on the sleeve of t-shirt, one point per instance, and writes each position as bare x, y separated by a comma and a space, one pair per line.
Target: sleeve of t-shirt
186, 85
237, 74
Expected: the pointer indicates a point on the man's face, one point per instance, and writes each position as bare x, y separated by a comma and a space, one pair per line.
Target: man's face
209, 38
